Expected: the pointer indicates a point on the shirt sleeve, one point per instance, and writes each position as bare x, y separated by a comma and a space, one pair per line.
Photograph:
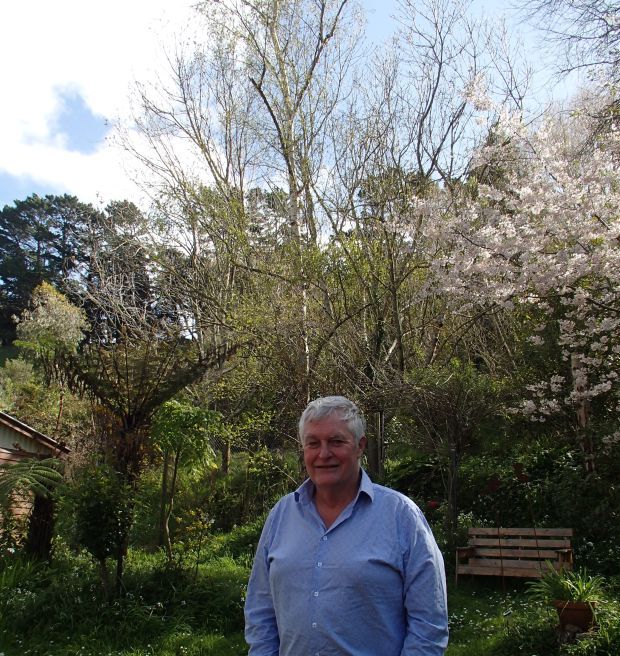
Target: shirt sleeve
261, 629
425, 590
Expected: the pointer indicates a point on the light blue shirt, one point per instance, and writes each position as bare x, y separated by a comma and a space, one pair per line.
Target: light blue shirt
373, 584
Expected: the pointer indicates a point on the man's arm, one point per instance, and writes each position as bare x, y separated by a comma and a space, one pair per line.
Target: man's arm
261, 629
425, 592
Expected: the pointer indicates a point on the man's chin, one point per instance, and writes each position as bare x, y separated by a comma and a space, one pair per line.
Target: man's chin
327, 472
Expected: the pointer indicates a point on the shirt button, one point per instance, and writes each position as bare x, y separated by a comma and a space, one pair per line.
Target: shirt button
319, 564
324, 538
316, 594
314, 625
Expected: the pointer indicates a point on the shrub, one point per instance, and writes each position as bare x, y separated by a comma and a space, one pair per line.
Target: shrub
241, 542
566, 586
251, 489
102, 507
418, 476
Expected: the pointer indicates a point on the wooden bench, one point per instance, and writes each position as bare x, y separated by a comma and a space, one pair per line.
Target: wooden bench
522, 552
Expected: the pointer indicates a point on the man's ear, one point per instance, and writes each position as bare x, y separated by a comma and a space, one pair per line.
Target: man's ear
362, 444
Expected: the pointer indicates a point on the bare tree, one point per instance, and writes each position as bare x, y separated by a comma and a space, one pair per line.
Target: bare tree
249, 109
588, 32
402, 157
275, 116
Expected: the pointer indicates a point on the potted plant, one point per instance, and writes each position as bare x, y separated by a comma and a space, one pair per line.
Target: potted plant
573, 593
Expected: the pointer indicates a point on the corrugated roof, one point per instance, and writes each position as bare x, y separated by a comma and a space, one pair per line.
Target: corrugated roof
19, 427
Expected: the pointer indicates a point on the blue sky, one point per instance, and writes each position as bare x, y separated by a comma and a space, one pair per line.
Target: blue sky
71, 79
66, 82
83, 129
80, 130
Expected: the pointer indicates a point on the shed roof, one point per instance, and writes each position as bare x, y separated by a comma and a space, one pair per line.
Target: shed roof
28, 432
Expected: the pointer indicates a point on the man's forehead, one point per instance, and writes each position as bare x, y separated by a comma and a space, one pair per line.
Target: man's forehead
332, 426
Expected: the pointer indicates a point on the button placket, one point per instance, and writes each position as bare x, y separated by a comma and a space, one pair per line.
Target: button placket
316, 581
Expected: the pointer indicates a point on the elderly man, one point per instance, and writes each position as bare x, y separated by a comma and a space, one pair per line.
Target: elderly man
344, 567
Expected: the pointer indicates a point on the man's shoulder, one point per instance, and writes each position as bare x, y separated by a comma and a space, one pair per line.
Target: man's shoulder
396, 499
278, 513
283, 503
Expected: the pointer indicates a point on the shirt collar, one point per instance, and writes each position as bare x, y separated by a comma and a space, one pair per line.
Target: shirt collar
305, 492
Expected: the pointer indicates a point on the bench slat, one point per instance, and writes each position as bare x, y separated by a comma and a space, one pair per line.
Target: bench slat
539, 532
499, 562
508, 542
545, 554
498, 571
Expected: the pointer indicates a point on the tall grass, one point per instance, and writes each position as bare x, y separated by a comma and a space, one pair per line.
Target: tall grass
189, 610
164, 610
486, 620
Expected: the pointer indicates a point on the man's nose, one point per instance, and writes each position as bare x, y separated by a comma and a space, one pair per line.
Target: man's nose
324, 451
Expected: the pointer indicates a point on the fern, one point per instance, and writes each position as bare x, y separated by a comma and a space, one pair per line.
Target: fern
30, 475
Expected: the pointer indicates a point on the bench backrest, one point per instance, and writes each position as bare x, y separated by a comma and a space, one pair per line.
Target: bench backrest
519, 547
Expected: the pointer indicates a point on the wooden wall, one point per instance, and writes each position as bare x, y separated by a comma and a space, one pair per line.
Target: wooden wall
12, 440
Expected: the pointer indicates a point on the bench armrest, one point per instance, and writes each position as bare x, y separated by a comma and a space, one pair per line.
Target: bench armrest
463, 554
565, 556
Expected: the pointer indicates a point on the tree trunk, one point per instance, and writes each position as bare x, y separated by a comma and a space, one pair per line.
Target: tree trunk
452, 491
105, 579
582, 417
226, 458
163, 500
376, 447
120, 562
60, 409
168, 540
40, 528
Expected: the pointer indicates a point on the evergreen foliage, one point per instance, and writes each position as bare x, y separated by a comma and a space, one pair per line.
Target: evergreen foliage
42, 239
30, 475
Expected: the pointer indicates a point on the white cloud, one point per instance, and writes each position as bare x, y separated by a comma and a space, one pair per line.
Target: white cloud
94, 49
55, 48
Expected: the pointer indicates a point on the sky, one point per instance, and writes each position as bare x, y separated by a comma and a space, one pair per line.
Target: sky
68, 67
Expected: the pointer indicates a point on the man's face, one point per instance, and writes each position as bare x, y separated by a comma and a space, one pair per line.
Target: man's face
331, 455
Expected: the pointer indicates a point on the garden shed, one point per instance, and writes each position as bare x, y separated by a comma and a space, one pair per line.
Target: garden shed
19, 441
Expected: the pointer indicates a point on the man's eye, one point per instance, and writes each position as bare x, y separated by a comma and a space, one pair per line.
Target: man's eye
337, 442
312, 445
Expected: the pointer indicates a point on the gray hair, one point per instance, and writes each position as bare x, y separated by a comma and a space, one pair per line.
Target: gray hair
331, 405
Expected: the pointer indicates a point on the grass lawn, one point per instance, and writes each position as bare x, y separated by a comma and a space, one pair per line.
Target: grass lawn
487, 620
190, 642
199, 612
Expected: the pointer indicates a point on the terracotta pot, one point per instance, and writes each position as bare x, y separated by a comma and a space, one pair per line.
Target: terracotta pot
577, 613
